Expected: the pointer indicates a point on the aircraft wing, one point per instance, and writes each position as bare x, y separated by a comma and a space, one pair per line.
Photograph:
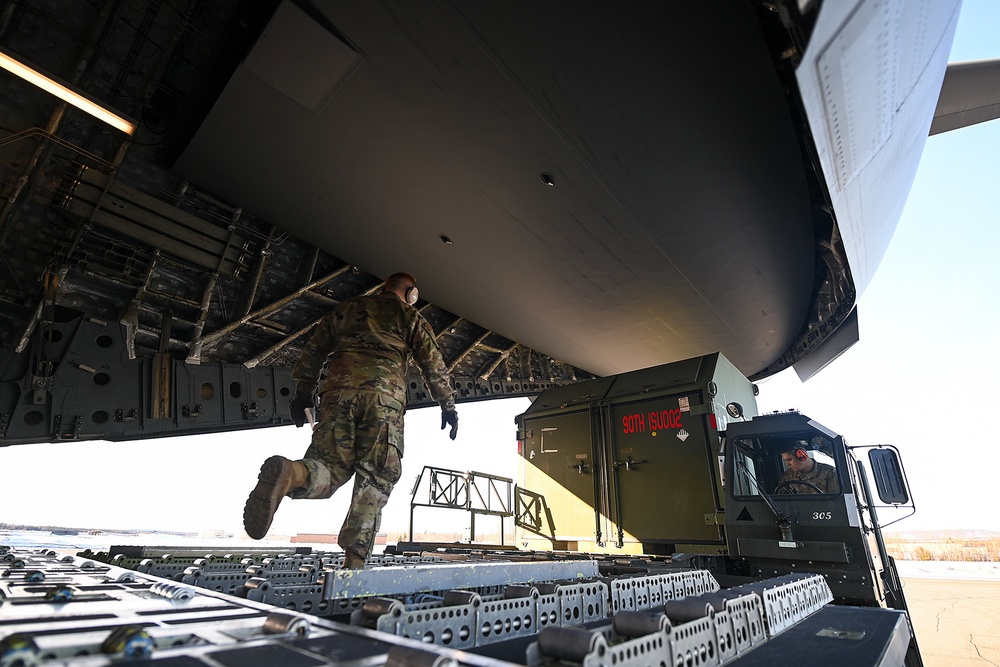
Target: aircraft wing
970, 94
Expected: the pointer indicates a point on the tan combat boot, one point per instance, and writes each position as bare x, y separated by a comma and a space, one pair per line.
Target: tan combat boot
277, 477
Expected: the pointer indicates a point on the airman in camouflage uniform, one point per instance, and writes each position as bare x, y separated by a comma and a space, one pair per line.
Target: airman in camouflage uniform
807, 470
366, 342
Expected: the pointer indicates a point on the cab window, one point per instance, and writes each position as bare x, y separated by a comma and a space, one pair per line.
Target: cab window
785, 465
745, 469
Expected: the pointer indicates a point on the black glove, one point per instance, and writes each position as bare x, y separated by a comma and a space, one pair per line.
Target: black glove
450, 417
298, 406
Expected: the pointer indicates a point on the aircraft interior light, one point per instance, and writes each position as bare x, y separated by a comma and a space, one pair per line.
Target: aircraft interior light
65, 93
547, 179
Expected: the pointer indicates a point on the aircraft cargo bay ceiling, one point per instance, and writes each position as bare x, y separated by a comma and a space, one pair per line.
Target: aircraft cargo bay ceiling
622, 183
580, 189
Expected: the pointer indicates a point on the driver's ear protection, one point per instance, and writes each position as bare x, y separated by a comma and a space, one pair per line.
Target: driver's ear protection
412, 294
801, 455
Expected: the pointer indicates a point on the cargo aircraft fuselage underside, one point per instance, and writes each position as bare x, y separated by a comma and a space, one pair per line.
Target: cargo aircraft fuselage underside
580, 190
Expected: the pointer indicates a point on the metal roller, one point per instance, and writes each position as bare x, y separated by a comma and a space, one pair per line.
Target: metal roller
59, 593
255, 583
172, 591
128, 641
18, 650
375, 608
639, 623
728, 593
687, 609
570, 644
461, 598
281, 623
515, 591
717, 601
404, 656
256, 588
547, 589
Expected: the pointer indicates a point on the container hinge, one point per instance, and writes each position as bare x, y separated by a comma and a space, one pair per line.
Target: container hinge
715, 519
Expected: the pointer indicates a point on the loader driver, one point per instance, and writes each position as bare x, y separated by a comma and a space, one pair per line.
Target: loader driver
804, 474
367, 342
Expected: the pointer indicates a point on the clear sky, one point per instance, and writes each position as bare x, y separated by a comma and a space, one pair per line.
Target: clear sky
921, 378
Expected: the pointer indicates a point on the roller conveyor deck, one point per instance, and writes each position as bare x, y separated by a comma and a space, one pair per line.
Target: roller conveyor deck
201, 609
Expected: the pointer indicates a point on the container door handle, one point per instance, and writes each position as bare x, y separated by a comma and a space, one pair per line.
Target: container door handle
629, 463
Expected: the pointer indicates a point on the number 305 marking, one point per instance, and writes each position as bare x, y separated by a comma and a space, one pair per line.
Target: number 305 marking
821, 516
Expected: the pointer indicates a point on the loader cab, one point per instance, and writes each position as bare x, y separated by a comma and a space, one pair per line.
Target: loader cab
792, 505
800, 499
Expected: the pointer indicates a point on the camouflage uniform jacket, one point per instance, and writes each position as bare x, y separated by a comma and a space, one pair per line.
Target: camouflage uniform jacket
822, 476
368, 342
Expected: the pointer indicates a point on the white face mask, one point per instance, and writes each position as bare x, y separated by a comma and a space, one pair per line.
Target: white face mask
412, 295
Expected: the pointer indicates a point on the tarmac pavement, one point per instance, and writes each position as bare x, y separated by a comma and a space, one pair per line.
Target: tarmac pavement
957, 621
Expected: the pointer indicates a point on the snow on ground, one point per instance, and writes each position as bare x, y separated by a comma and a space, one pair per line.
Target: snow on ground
950, 570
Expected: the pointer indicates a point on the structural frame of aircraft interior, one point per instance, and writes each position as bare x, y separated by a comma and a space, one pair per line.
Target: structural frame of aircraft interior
581, 189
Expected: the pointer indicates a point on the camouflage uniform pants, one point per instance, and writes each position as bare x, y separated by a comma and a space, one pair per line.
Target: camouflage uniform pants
359, 433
